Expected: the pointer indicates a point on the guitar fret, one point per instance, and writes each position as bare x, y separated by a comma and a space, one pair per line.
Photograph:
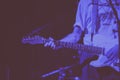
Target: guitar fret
74, 46
77, 46
70, 45
66, 45
81, 48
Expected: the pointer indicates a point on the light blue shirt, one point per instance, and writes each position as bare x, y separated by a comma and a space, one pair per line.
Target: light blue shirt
100, 20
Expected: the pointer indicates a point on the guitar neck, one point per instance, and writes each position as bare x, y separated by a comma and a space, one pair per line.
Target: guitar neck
81, 47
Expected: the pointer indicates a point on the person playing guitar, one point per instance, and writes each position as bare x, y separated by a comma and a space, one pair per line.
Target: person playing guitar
97, 22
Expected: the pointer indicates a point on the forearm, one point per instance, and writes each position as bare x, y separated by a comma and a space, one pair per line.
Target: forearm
74, 36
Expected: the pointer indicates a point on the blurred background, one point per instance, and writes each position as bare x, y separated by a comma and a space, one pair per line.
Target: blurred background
46, 18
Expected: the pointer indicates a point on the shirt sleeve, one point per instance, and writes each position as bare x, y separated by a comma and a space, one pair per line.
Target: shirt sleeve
79, 19
84, 15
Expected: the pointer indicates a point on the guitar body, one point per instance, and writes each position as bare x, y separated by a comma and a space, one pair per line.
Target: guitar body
106, 43
101, 62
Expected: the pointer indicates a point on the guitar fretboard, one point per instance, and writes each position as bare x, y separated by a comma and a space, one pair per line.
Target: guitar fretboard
81, 47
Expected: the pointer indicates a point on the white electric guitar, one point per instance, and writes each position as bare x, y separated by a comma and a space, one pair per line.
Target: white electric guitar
100, 62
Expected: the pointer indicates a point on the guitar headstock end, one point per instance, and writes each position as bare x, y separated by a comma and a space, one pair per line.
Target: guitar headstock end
33, 40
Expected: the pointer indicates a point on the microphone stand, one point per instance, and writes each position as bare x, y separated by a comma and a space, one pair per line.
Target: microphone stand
62, 70
118, 23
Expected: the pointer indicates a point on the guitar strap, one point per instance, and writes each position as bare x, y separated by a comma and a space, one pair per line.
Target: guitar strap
94, 17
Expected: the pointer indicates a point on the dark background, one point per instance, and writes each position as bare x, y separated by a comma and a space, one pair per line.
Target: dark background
54, 18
